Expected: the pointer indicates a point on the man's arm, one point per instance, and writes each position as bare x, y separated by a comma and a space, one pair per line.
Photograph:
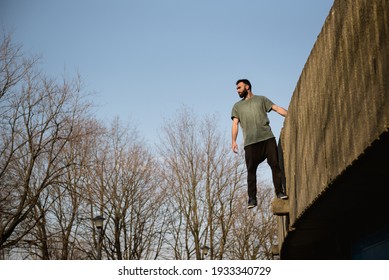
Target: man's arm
279, 110
235, 129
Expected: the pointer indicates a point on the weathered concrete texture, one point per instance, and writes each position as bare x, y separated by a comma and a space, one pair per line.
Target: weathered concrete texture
341, 102
280, 207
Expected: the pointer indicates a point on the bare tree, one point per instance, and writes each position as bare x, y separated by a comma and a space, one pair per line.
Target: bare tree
253, 230
203, 180
14, 65
183, 175
38, 119
223, 184
126, 192
60, 207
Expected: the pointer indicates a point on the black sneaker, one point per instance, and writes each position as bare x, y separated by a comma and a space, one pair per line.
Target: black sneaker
252, 203
282, 195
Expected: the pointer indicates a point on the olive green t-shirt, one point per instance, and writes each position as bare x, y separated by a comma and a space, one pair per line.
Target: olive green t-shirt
252, 115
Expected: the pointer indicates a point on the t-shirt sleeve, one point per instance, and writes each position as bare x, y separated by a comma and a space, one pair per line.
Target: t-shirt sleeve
268, 104
234, 113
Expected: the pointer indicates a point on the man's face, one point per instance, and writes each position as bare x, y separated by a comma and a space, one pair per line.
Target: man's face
242, 89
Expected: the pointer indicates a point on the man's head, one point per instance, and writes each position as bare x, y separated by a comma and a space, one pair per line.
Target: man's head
243, 87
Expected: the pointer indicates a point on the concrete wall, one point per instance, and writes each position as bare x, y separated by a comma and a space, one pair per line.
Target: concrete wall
341, 102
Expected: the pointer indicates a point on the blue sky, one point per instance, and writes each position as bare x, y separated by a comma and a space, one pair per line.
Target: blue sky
145, 59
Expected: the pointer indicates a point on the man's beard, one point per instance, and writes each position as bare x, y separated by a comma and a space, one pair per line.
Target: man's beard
243, 94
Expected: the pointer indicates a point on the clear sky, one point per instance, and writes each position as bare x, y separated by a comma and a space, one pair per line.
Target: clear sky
145, 59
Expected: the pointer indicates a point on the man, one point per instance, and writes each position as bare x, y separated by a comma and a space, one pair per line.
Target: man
259, 141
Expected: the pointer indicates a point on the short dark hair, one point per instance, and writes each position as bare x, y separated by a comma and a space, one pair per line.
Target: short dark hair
245, 81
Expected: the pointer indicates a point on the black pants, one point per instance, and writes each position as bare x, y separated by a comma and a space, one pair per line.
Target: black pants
254, 155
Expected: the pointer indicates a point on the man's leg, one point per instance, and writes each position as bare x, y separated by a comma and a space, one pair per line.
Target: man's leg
253, 156
272, 159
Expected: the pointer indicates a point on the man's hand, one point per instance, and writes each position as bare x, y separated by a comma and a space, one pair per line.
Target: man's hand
235, 147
